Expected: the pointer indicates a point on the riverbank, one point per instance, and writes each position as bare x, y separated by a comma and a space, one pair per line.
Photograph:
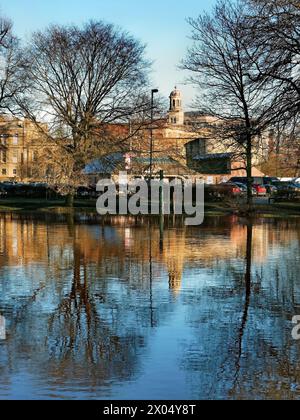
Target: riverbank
261, 207
32, 204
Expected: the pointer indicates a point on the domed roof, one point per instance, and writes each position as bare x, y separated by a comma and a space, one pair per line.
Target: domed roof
175, 92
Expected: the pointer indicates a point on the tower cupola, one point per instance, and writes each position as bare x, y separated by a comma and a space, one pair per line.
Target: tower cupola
176, 114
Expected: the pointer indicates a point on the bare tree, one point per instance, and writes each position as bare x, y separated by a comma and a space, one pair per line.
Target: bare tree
5, 31
274, 27
84, 83
222, 67
284, 151
11, 81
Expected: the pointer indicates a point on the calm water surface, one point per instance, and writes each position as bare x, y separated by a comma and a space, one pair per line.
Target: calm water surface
113, 311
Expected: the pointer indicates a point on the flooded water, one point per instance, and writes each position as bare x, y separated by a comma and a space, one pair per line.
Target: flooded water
115, 311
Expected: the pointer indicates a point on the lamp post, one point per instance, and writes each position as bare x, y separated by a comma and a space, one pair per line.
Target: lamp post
153, 91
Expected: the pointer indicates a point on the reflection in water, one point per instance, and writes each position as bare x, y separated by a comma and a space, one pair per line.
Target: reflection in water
247, 297
127, 310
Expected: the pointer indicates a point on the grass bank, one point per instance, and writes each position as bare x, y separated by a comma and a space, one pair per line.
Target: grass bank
43, 205
24, 205
261, 208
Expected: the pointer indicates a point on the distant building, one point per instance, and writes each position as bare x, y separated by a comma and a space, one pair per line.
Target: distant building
19, 144
184, 143
194, 135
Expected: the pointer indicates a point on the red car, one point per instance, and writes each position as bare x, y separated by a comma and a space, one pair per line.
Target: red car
229, 188
260, 190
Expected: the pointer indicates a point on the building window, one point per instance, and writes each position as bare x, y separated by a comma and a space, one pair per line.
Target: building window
15, 157
3, 139
14, 172
15, 140
3, 171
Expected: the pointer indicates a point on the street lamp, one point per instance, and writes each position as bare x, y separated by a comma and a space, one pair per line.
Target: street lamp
153, 91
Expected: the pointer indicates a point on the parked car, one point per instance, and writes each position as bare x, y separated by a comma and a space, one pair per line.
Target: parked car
241, 186
271, 189
84, 192
296, 185
229, 188
244, 180
3, 193
270, 180
244, 188
219, 191
288, 186
287, 190
260, 190
29, 190
258, 180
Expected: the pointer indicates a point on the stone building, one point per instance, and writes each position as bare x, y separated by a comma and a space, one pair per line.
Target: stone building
191, 138
184, 143
187, 139
20, 141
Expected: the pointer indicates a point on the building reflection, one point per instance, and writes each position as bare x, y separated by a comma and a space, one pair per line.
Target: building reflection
26, 242
76, 297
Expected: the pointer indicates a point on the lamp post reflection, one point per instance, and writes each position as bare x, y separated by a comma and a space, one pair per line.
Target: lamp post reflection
151, 277
248, 280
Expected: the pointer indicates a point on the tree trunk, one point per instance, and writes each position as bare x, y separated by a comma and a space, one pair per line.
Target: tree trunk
70, 200
249, 174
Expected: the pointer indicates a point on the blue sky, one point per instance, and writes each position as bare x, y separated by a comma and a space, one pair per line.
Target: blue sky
161, 24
